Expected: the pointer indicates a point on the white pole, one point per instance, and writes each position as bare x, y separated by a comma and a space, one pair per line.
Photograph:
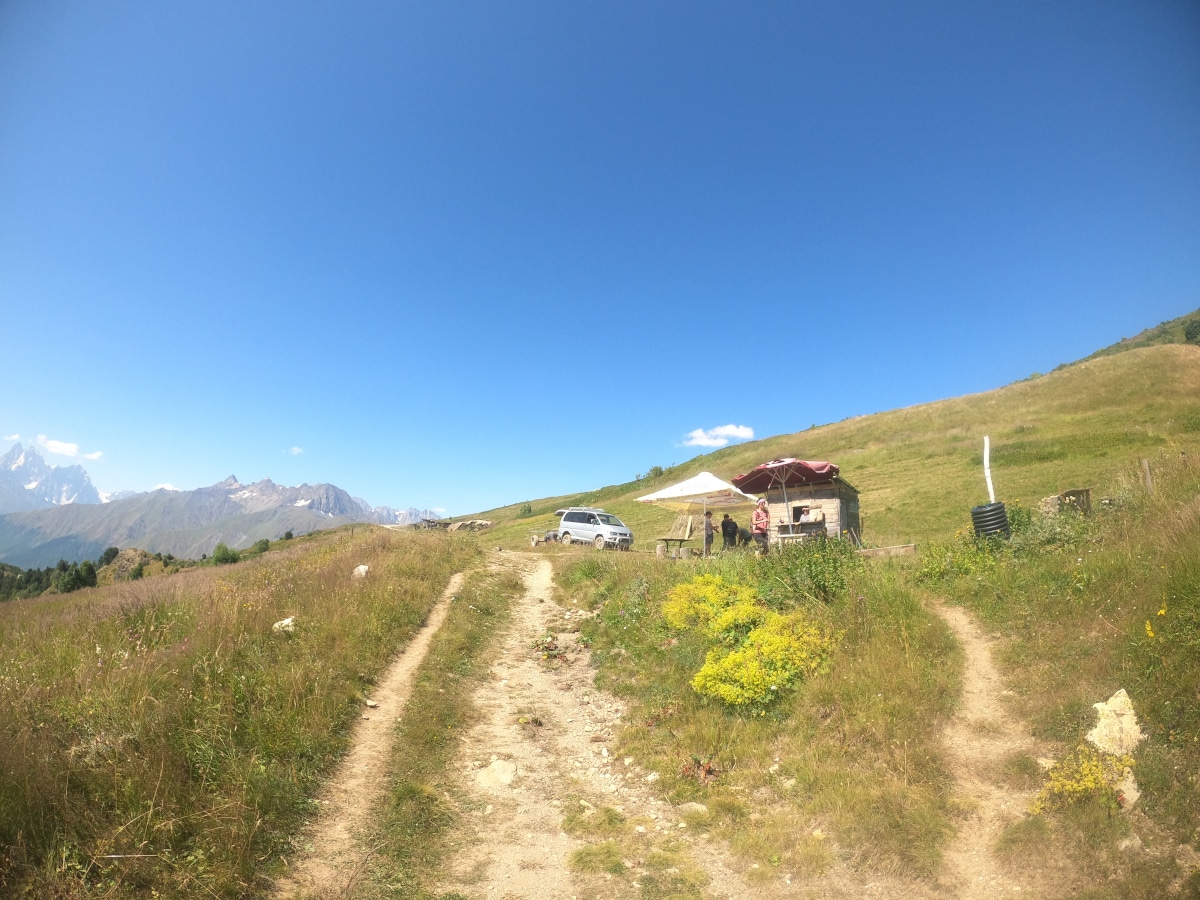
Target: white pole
987, 468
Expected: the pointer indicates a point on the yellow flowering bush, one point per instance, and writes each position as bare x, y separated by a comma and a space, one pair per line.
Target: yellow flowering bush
1084, 772
783, 649
699, 601
759, 652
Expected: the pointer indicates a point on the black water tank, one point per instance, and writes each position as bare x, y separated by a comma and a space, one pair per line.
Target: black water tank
991, 518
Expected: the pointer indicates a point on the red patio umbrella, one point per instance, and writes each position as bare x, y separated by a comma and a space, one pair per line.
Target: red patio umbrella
785, 473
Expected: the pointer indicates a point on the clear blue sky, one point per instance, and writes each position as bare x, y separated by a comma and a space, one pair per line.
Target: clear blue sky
459, 254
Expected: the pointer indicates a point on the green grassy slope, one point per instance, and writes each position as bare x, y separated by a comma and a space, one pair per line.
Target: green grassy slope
919, 469
1173, 332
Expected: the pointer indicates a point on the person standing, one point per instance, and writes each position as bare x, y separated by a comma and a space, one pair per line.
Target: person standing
729, 532
710, 531
760, 525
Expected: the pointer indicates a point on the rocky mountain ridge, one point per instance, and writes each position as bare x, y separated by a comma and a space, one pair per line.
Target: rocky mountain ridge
68, 519
28, 482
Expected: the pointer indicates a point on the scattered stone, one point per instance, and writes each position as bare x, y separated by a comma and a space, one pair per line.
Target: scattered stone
691, 807
284, 626
1117, 730
371, 704
361, 571
1131, 844
499, 773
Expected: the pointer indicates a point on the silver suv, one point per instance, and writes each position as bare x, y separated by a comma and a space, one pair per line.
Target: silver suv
589, 525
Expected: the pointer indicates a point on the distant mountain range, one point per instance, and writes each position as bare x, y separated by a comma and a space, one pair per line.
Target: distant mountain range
48, 513
27, 482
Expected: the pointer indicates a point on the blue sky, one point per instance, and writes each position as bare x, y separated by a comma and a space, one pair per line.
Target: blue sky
461, 254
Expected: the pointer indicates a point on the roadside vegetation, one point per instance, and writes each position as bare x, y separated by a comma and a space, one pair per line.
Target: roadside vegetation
160, 737
842, 758
845, 742
422, 808
1084, 606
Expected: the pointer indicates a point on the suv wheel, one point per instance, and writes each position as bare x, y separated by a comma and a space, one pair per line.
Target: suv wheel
565, 538
599, 542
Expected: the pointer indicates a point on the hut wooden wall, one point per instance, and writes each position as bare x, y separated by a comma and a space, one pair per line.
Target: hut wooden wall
837, 500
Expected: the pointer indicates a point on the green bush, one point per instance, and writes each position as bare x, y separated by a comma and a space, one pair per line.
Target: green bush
1191, 332
262, 546
108, 556
223, 555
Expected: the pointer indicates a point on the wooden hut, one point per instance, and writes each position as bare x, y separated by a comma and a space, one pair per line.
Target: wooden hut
805, 498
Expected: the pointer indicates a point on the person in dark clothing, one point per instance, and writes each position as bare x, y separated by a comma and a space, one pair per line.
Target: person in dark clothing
729, 532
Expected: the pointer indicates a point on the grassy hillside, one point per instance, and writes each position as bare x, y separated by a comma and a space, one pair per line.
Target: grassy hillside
919, 470
160, 738
1184, 330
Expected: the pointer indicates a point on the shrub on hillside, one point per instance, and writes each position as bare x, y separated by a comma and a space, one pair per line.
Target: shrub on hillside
223, 555
1191, 332
108, 556
262, 546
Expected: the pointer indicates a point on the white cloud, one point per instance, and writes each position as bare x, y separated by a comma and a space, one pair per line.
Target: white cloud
719, 436
95, 455
58, 448
296, 451
440, 510
12, 437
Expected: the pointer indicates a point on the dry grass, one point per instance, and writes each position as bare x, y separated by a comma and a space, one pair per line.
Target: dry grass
158, 735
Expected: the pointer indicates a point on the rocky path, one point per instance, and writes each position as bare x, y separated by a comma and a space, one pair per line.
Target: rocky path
541, 751
346, 803
979, 738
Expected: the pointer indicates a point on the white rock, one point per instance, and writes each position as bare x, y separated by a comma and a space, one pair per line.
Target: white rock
498, 774
284, 626
1117, 730
361, 571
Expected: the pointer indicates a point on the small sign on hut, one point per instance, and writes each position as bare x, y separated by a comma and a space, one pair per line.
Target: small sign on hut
806, 498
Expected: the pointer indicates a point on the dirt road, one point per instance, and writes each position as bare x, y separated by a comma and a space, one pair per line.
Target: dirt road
542, 755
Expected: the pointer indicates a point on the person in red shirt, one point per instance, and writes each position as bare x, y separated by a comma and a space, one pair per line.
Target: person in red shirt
760, 525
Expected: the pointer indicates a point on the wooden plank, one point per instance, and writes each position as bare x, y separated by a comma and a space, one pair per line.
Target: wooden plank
878, 552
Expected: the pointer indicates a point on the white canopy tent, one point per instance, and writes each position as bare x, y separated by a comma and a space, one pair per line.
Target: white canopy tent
705, 489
